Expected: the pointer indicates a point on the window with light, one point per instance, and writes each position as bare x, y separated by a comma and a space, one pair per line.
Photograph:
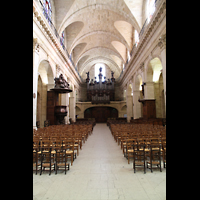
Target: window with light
151, 8
47, 6
97, 66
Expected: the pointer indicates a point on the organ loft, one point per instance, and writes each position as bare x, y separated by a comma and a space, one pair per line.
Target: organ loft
102, 91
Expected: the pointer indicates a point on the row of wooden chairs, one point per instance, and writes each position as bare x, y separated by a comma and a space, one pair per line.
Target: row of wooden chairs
145, 157
47, 158
146, 144
53, 145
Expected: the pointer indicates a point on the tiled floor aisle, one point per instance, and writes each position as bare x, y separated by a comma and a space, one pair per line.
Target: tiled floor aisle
101, 172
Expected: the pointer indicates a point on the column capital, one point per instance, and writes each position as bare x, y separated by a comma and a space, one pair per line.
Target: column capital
162, 42
36, 46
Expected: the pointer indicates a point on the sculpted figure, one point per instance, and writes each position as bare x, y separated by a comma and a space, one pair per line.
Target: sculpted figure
61, 82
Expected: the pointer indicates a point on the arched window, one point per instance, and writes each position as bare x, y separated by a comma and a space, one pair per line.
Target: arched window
97, 66
62, 39
128, 55
151, 8
136, 38
47, 7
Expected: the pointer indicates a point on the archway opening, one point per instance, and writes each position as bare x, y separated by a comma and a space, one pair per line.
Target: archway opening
154, 75
159, 96
45, 82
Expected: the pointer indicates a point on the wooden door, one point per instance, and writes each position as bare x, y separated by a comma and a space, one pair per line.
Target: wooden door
101, 114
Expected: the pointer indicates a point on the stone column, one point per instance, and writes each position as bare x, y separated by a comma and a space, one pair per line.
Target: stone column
36, 48
129, 103
136, 105
72, 106
162, 45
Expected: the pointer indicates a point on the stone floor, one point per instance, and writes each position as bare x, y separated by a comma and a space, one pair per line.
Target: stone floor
101, 172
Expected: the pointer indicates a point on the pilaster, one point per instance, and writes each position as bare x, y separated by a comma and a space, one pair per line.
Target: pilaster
162, 45
36, 48
129, 103
136, 105
72, 110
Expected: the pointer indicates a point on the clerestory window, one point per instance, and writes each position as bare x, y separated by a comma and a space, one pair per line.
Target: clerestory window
47, 7
97, 66
151, 8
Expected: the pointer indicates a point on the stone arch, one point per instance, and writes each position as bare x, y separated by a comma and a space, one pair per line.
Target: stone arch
159, 96
45, 83
153, 69
46, 72
96, 32
123, 15
78, 107
78, 112
101, 113
124, 27
124, 108
154, 85
71, 31
129, 89
138, 82
89, 106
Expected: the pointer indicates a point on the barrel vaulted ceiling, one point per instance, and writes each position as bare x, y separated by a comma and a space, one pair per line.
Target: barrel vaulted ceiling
99, 31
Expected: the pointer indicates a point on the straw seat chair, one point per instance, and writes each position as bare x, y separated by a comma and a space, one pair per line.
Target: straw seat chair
36, 163
139, 156
46, 159
61, 159
155, 156
164, 151
68, 144
129, 148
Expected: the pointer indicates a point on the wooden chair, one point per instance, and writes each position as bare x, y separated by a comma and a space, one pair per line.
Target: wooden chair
45, 156
164, 151
56, 145
61, 159
68, 144
35, 158
139, 156
155, 156
129, 148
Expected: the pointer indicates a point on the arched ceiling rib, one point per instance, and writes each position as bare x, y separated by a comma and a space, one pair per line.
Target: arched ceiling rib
98, 30
100, 59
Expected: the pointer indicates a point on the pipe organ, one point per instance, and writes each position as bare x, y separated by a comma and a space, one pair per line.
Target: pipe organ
102, 91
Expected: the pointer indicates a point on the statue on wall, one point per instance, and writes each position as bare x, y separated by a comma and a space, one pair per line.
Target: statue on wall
87, 74
112, 73
100, 69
